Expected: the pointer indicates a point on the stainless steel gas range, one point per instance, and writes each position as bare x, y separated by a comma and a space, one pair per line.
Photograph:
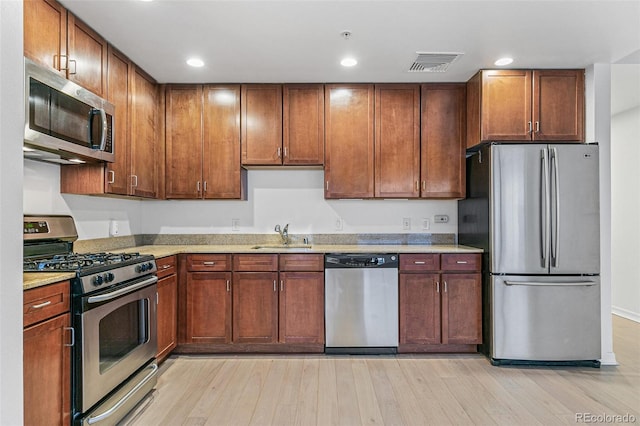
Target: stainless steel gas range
114, 300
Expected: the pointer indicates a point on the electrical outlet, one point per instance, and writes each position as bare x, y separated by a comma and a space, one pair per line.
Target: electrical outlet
406, 223
441, 218
425, 224
338, 224
114, 230
235, 224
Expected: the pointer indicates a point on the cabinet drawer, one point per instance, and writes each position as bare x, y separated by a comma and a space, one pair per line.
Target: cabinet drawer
419, 262
255, 262
301, 262
166, 266
45, 302
461, 262
208, 262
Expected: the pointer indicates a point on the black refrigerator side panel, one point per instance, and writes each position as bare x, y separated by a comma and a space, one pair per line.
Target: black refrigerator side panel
473, 211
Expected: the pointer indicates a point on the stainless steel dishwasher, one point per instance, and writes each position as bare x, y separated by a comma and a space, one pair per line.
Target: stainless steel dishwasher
361, 303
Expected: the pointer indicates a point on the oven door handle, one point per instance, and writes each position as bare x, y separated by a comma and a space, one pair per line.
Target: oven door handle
122, 291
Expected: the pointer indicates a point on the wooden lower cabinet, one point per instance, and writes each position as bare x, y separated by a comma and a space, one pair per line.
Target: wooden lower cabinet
255, 307
440, 309
208, 305
301, 307
47, 355
167, 326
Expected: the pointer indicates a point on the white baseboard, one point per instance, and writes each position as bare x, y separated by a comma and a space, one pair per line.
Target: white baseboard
625, 313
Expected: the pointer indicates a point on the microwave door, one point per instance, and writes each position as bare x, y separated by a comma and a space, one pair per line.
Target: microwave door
70, 119
39, 100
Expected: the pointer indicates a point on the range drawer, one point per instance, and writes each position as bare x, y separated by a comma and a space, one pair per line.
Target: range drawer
302, 262
419, 262
208, 262
166, 266
45, 302
461, 262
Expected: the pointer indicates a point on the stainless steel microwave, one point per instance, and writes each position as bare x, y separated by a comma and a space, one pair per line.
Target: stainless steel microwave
65, 123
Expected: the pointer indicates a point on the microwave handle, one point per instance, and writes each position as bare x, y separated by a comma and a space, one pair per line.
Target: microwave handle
105, 127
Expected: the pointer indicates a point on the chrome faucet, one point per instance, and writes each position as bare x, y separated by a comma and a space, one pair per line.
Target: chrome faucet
284, 233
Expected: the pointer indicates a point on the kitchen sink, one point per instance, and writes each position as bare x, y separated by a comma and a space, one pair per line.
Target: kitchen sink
282, 246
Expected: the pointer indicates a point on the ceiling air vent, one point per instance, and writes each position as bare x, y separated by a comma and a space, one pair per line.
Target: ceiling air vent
433, 62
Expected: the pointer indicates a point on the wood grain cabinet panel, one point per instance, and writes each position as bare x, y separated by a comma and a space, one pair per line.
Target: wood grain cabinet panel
397, 140
87, 56
419, 309
461, 309
301, 307
45, 34
208, 306
349, 141
303, 124
443, 145
261, 112
558, 105
167, 314
255, 307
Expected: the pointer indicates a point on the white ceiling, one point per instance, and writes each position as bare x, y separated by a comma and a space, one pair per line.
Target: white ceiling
299, 40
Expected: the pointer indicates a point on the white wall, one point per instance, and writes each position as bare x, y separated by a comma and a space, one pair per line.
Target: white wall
625, 207
11, 117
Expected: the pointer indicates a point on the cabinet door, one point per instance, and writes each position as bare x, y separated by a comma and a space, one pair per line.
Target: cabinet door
183, 141
221, 142
397, 140
506, 106
255, 307
45, 33
303, 118
443, 144
144, 139
348, 161
558, 105
118, 180
301, 307
167, 315
208, 297
461, 309
47, 372
261, 124
419, 308
87, 56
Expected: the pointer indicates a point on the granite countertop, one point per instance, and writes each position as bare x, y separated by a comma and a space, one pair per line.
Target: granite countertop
37, 279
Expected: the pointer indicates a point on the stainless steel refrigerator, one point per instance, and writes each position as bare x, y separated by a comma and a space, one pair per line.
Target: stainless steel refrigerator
534, 209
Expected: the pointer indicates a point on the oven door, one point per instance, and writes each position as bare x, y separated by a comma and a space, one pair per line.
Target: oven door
118, 337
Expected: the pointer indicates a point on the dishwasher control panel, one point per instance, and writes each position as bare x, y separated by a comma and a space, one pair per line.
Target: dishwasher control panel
360, 260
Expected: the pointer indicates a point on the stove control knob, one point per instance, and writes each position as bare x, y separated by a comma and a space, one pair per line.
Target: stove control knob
140, 268
149, 266
108, 277
98, 280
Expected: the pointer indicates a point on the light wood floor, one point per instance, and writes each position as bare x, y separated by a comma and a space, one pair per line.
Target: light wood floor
386, 390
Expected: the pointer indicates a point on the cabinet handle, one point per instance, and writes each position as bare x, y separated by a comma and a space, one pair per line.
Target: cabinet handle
437, 286
112, 177
461, 262
228, 286
59, 66
419, 262
530, 127
417, 186
275, 288
445, 286
285, 151
73, 336
327, 185
166, 266
134, 178
537, 127
198, 186
281, 285
209, 263
205, 186
279, 152
41, 305
424, 185
75, 67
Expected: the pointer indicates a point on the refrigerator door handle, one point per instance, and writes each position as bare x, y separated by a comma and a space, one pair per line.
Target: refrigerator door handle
544, 209
548, 284
555, 226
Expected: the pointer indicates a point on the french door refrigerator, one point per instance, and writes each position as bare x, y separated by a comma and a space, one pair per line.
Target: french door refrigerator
534, 209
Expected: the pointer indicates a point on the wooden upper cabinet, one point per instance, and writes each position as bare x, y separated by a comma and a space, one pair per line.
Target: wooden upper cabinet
525, 105
397, 140
87, 56
45, 33
558, 105
349, 144
144, 137
261, 112
222, 173
118, 180
443, 141
183, 137
303, 129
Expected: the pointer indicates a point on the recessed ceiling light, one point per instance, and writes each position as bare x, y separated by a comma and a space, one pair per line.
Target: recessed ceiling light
348, 62
503, 61
195, 62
